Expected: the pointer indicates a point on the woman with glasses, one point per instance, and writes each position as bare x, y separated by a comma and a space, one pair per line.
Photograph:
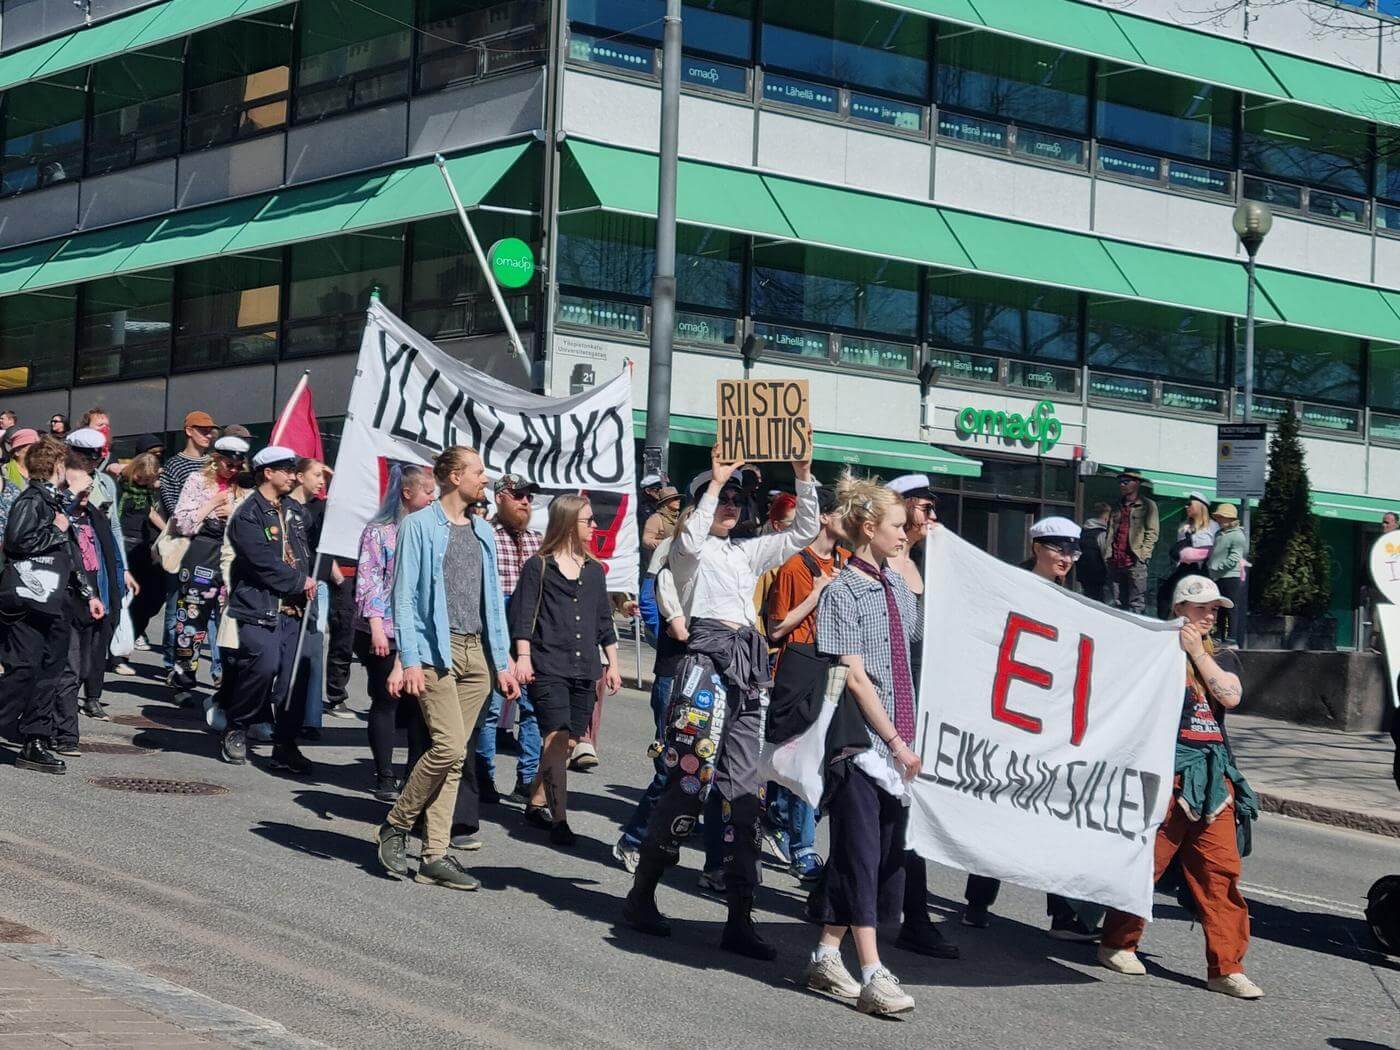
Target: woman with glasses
206, 501
58, 425
560, 617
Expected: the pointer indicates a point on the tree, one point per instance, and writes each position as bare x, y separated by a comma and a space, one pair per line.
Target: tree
1292, 574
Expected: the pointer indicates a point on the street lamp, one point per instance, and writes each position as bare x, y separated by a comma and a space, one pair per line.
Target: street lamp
1252, 222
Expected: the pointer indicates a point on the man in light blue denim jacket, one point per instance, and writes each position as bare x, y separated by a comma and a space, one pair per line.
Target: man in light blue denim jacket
449, 619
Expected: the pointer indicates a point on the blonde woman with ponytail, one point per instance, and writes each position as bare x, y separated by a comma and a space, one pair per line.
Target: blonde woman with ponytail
868, 618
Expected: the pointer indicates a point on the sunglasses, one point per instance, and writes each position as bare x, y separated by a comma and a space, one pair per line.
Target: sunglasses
729, 500
588, 521
926, 507
1126, 481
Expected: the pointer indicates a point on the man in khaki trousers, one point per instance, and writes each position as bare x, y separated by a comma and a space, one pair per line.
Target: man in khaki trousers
449, 618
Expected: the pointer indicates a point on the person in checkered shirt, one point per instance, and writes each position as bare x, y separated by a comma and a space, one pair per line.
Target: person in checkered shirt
516, 543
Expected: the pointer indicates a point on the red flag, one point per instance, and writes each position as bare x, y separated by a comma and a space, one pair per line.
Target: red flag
296, 427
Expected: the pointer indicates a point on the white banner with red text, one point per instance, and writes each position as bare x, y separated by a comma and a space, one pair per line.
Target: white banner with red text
410, 400
1047, 731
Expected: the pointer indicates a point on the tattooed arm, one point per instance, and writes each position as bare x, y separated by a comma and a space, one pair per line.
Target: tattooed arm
1222, 685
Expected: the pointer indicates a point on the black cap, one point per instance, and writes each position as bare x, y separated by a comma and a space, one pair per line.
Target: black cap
146, 442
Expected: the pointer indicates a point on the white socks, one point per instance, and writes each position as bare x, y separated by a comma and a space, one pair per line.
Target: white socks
826, 951
867, 972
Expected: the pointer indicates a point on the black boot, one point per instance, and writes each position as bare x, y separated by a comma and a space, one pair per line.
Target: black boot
921, 936
740, 934
639, 911
36, 756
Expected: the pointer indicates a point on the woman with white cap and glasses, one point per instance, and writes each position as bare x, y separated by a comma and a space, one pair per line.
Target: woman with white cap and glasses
1054, 550
1228, 559
1208, 796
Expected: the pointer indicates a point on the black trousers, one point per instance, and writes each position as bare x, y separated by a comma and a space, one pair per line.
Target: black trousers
260, 673
982, 890
467, 816
82, 673
151, 579
33, 650
1228, 620
727, 760
865, 868
388, 714
340, 641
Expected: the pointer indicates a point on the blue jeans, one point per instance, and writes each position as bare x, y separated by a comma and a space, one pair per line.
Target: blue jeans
788, 813
636, 828
529, 763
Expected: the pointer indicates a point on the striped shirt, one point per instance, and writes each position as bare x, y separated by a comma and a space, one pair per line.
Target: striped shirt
173, 475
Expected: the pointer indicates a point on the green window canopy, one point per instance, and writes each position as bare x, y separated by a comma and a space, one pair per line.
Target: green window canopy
1329, 306
298, 213
883, 453
1217, 286
1174, 486
1341, 505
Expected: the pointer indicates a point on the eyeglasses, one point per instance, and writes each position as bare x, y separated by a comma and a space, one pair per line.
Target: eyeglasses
926, 507
588, 521
729, 501
1126, 481
56, 419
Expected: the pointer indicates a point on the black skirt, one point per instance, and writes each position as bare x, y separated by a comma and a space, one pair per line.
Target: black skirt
563, 703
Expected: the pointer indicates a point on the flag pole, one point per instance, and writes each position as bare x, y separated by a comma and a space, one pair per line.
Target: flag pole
481, 259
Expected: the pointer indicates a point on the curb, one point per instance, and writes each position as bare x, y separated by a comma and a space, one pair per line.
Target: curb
1352, 820
186, 1009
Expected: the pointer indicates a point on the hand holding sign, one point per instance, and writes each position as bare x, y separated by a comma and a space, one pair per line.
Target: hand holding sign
763, 421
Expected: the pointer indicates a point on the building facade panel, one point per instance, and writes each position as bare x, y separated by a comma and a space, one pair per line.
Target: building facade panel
887, 164
807, 149
353, 142
1317, 31
717, 131
124, 195
965, 179
1135, 213
610, 110
23, 22
139, 404
448, 121
237, 170
50, 212
1317, 248
230, 395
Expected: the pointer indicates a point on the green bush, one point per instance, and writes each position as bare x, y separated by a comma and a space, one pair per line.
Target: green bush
1292, 573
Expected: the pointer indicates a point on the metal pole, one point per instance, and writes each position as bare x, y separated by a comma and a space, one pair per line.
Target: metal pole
663, 285
481, 259
1251, 248
637, 634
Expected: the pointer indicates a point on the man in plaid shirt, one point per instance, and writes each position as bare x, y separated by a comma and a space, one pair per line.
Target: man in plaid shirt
515, 544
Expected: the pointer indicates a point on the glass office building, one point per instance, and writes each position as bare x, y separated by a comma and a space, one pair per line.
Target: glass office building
196, 197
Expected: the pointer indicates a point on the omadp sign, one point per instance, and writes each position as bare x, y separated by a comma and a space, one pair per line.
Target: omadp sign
1040, 430
512, 262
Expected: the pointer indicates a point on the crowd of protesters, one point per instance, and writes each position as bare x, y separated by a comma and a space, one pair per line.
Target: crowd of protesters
471, 625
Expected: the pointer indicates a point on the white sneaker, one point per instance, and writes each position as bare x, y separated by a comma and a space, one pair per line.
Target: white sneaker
829, 976
141, 645
627, 855
214, 716
1236, 985
584, 757
261, 733
881, 995
1120, 960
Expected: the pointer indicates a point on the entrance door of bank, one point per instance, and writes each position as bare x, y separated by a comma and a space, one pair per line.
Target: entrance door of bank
1000, 529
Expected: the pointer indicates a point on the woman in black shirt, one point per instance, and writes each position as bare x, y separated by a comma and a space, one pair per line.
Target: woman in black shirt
559, 618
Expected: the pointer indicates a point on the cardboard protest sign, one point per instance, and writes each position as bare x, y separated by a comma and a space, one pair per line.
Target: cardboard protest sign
1047, 729
410, 400
763, 421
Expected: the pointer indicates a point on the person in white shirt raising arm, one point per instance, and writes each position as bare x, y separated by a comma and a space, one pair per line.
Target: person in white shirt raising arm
714, 723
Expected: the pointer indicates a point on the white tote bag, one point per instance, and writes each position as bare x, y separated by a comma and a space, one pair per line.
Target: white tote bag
123, 638
797, 763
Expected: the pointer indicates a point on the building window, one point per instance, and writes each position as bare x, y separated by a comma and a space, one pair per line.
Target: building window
849, 43
1307, 146
1310, 366
1155, 340
328, 287
135, 108
989, 75
43, 132
227, 311
466, 39
124, 327
448, 297
1384, 380
353, 54
967, 311
36, 339
1167, 115
718, 27
239, 76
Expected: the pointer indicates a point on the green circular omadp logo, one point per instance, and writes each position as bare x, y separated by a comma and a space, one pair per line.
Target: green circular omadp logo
512, 262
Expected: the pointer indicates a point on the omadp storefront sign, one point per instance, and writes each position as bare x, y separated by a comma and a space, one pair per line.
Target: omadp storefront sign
512, 262
1039, 431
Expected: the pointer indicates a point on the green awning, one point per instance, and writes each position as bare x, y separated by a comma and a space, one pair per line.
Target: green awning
19, 66
181, 17
1175, 486
99, 41
1077, 27
897, 229
883, 453
706, 194
357, 202
949, 10
1217, 286
1367, 509
1200, 56
1368, 97
1034, 253
1330, 306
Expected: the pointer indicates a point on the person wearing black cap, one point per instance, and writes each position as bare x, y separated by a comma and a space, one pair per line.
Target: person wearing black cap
1133, 528
270, 590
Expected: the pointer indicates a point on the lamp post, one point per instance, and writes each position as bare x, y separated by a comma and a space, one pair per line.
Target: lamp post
1252, 222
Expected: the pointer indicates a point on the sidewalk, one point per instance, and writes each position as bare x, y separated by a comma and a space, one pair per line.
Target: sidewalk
1319, 774
53, 998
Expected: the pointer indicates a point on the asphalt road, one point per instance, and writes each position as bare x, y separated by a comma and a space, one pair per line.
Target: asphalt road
269, 898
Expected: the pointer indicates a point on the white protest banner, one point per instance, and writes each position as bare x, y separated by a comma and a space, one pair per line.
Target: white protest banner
1047, 730
410, 400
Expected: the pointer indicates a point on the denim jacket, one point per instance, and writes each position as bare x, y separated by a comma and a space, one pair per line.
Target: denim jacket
420, 599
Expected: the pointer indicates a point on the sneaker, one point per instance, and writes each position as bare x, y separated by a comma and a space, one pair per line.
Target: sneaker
260, 733
923, 938
1072, 928
627, 855
585, 757
386, 788
35, 755
341, 711
393, 850
777, 842
67, 750
520, 794
124, 669
561, 834
829, 976
141, 645
466, 842
1121, 960
806, 868
214, 716
882, 996
446, 871
1235, 985
976, 916
290, 758
713, 882
93, 710
539, 817
233, 748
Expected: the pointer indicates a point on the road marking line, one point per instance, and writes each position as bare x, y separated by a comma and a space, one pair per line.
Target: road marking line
1303, 898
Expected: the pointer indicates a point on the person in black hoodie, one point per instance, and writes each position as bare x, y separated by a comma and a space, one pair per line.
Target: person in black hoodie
40, 572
